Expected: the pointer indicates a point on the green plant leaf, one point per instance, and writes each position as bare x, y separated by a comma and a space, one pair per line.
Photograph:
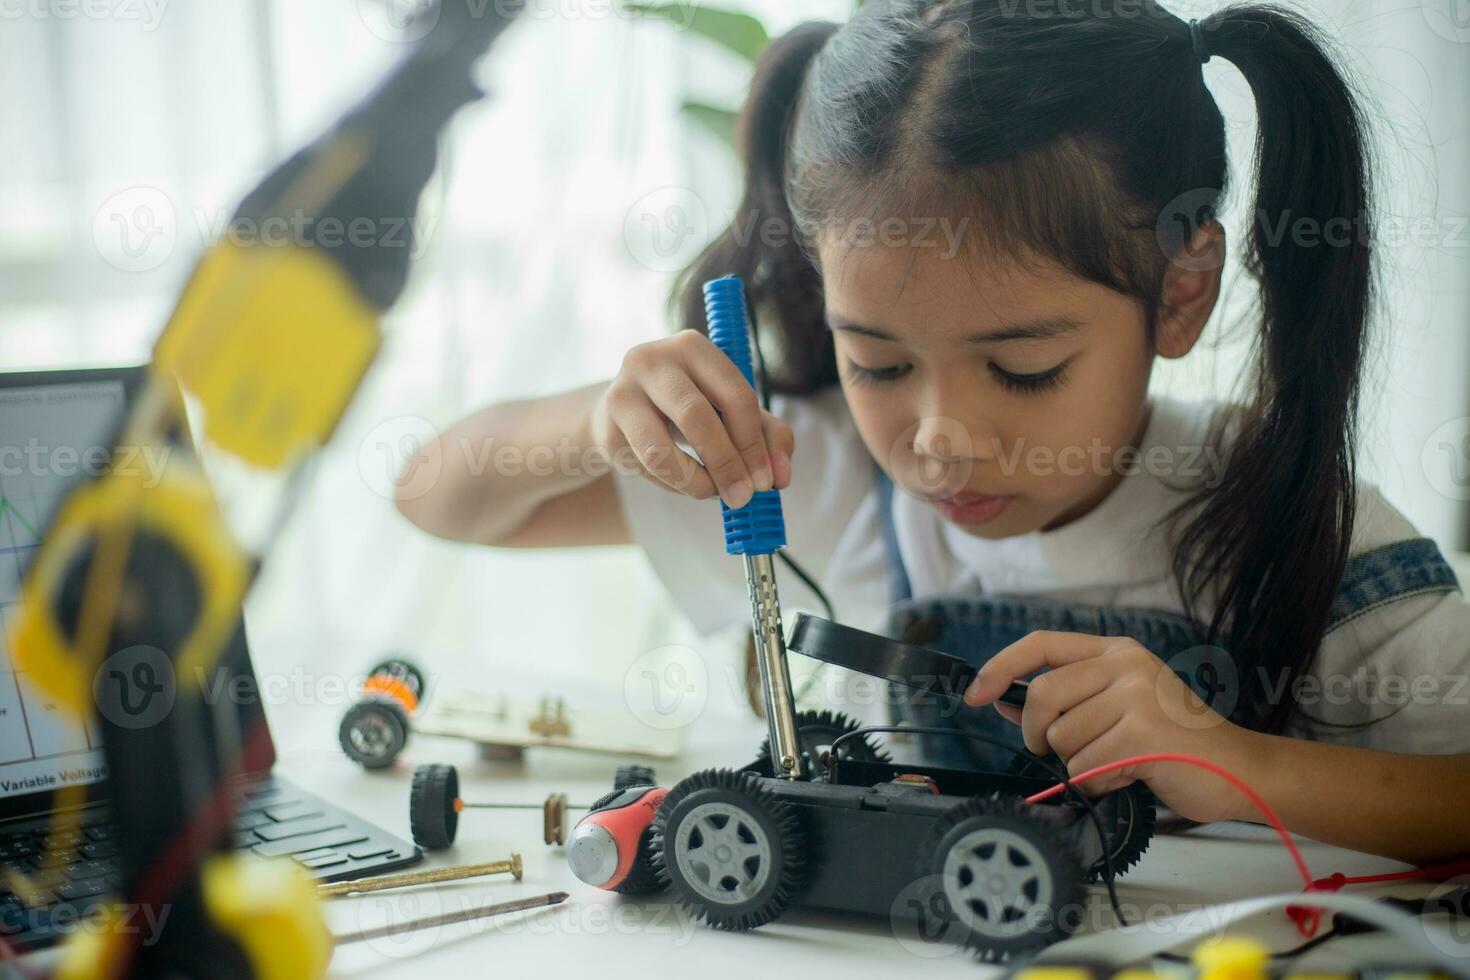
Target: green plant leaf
736, 32
718, 121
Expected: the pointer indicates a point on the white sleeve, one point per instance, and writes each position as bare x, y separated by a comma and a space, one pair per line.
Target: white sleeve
831, 526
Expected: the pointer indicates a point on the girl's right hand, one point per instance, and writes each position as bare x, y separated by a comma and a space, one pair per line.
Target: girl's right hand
686, 381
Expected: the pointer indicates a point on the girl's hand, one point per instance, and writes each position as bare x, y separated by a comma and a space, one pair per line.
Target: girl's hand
686, 381
1107, 698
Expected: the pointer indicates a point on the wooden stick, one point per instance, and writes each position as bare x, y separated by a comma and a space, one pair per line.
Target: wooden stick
433, 876
450, 918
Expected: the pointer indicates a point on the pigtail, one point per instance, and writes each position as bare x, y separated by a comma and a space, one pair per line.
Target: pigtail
1273, 537
763, 245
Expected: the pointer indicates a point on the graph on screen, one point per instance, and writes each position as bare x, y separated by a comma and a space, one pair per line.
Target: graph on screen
51, 437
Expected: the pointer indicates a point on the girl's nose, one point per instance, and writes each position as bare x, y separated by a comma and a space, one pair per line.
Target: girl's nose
945, 439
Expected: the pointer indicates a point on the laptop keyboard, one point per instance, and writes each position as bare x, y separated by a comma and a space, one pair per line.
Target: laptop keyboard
276, 819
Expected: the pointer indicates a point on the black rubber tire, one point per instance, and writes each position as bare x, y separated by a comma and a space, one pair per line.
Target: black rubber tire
391, 721
1053, 856
432, 819
815, 730
634, 776
759, 813
413, 676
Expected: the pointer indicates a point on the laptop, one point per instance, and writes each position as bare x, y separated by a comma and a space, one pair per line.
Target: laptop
55, 430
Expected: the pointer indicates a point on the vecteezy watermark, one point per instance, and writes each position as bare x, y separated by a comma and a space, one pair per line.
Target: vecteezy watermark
136, 229
1083, 9
102, 918
665, 229
1182, 218
403, 458
1446, 917
135, 687
667, 687
1445, 459
1213, 681
36, 459
147, 14
1450, 19
410, 21
1366, 689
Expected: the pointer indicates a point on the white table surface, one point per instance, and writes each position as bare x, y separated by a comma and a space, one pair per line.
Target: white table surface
620, 937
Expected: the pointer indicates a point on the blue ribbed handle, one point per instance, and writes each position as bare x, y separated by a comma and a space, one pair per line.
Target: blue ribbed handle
758, 528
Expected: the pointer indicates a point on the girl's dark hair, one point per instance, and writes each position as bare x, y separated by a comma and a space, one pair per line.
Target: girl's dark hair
1088, 138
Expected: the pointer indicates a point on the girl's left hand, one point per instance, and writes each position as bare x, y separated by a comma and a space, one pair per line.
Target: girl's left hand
1107, 698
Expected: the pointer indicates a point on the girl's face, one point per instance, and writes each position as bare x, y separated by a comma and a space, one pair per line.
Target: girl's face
1000, 393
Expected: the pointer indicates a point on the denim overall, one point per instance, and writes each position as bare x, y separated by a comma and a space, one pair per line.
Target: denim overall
976, 627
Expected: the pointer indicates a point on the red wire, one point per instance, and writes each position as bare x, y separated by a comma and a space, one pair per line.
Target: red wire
1307, 927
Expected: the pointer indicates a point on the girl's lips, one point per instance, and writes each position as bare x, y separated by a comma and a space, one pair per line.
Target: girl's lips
969, 508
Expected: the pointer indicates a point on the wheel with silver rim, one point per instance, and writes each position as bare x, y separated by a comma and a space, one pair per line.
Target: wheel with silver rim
729, 848
373, 732
1010, 882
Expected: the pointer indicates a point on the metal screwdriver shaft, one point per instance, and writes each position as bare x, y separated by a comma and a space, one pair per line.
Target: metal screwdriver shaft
449, 918
757, 531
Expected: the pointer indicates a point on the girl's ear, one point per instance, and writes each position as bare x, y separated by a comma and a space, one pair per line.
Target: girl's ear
1191, 290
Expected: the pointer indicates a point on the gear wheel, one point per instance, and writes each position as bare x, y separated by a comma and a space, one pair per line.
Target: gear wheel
816, 731
1011, 883
1128, 815
433, 818
731, 850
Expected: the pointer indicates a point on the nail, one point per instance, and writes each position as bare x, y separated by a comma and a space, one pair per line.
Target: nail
740, 495
763, 478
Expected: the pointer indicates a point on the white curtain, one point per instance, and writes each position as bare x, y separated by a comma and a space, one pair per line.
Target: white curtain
126, 139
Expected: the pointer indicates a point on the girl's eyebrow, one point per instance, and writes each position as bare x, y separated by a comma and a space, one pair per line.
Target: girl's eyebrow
1042, 328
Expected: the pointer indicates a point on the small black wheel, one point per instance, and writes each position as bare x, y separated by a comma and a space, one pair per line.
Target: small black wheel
1010, 883
1128, 815
406, 670
433, 813
815, 732
643, 878
732, 851
373, 732
634, 776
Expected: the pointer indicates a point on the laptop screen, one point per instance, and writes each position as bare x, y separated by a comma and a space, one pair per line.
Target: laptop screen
56, 430
51, 435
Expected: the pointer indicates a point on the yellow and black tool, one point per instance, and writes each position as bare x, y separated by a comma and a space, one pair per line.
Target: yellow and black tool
266, 348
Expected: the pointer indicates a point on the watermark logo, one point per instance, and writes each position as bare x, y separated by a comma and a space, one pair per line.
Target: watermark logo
399, 21
136, 230
394, 461
922, 921
1447, 917
667, 687
933, 457
664, 230
1180, 222
1450, 19
1210, 673
1445, 459
147, 14
135, 688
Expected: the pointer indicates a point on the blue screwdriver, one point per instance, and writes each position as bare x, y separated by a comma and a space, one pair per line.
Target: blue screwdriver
757, 531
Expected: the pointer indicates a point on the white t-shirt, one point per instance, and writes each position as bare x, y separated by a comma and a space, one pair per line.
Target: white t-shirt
1116, 555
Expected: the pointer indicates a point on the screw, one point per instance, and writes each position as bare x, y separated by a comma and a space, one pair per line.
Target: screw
430, 877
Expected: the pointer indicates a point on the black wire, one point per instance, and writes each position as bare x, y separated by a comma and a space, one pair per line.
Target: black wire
763, 390
1284, 954
1109, 873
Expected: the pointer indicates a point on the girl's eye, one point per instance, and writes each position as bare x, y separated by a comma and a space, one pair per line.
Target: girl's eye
877, 376
1031, 383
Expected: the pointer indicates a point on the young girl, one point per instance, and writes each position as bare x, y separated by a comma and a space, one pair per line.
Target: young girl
970, 229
